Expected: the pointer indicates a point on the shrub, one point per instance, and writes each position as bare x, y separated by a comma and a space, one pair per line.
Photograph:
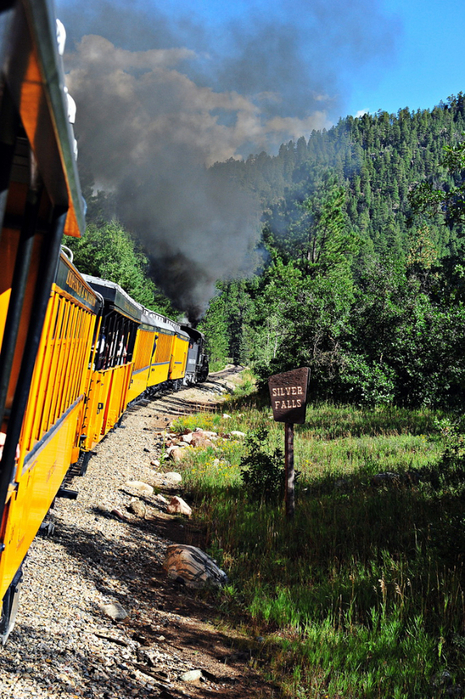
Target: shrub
262, 471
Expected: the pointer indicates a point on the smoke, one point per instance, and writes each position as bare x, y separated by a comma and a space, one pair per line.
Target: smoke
161, 97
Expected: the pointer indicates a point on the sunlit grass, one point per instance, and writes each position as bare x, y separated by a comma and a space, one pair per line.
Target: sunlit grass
362, 594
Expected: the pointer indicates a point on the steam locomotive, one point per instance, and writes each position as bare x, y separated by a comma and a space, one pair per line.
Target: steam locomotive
75, 350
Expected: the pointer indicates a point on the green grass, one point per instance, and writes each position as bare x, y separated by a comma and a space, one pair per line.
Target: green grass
362, 594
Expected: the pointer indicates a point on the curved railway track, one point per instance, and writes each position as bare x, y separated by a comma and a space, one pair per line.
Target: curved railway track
204, 397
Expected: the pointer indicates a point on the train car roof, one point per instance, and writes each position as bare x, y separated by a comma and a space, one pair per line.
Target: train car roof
194, 334
115, 297
34, 73
182, 334
177, 329
156, 320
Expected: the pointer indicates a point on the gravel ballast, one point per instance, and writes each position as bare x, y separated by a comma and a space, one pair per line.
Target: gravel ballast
97, 616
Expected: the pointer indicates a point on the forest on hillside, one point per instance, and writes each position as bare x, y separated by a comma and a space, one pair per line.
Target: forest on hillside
354, 282
352, 279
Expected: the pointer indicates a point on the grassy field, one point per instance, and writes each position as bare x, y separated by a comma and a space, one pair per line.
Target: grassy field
362, 594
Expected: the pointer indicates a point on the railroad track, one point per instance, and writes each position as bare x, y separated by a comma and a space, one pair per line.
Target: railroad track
202, 398
228, 371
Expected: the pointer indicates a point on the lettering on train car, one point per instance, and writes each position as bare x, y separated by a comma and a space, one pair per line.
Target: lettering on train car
76, 285
126, 305
68, 280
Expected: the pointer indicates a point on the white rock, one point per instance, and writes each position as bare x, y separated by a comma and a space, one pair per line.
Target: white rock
170, 448
178, 506
226, 417
173, 477
115, 611
161, 499
193, 567
191, 676
236, 433
143, 488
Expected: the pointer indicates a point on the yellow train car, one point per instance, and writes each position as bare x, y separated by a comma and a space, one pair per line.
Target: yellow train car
162, 350
113, 362
145, 346
40, 199
54, 413
178, 359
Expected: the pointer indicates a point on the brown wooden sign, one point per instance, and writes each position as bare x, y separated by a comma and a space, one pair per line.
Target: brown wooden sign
288, 393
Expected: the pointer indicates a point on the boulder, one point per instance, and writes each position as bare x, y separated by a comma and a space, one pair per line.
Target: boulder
142, 488
191, 676
178, 506
236, 433
200, 439
191, 566
115, 611
177, 454
172, 477
138, 508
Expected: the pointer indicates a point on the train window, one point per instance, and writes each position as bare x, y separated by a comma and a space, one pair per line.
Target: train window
116, 341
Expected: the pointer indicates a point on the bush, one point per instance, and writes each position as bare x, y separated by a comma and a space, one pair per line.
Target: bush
262, 471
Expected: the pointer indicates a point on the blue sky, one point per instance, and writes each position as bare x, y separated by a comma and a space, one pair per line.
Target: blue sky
429, 64
422, 63
251, 74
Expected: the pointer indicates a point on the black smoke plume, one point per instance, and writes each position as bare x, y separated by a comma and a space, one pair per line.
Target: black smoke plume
160, 100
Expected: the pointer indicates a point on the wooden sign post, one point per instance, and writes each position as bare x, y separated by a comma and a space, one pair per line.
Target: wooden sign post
288, 393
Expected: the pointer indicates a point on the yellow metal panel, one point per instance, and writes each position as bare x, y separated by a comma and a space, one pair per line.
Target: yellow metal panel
56, 378
95, 407
160, 365
143, 349
37, 488
118, 398
138, 384
4, 303
39, 383
158, 374
179, 358
68, 359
